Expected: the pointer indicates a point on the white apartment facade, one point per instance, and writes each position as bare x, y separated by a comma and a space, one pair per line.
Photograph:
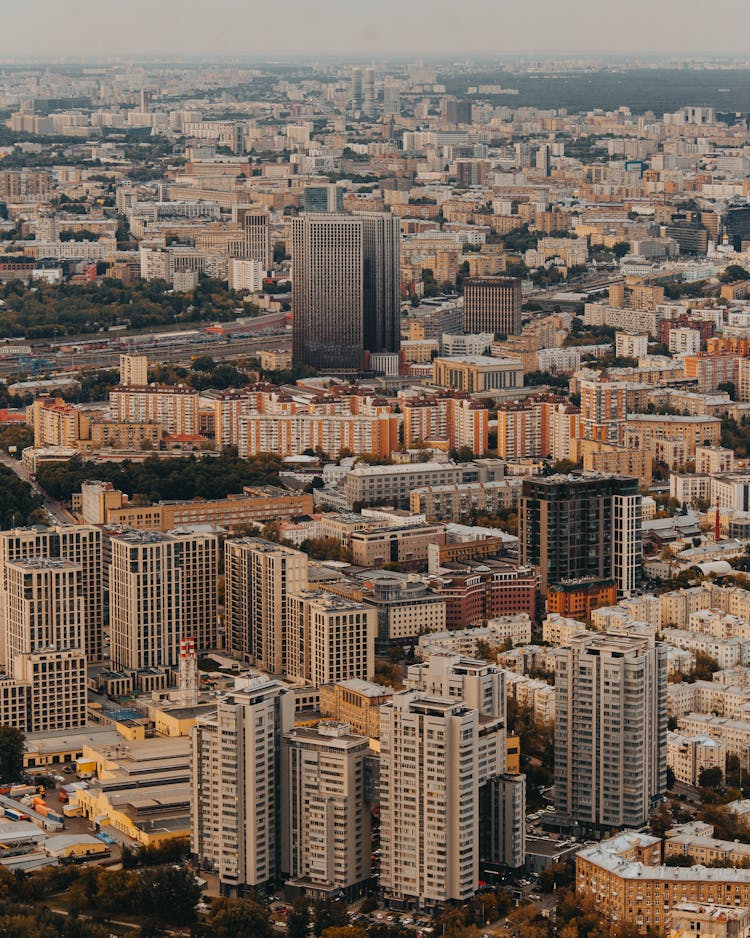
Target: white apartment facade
236, 784
326, 829
610, 729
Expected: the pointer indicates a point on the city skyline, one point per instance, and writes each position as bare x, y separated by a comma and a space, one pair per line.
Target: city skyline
70, 28
375, 471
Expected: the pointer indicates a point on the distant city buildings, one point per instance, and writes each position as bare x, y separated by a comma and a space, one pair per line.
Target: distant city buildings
444, 365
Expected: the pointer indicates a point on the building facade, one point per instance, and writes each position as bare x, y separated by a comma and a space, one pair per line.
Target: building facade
326, 826
610, 729
329, 638
346, 275
492, 304
236, 785
259, 575
582, 527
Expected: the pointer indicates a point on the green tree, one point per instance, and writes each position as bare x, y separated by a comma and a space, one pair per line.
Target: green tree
710, 778
204, 363
298, 919
620, 249
485, 651
168, 893
704, 668
328, 913
384, 930
279, 252
557, 875
18, 504
239, 918
12, 748
18, 435
345, 931
462, 454
661, 820
325, 548
734, 272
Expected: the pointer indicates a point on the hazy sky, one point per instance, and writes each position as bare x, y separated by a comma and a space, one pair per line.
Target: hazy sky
404, 28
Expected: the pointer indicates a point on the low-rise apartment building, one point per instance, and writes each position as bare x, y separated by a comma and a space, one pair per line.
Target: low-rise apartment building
630, 887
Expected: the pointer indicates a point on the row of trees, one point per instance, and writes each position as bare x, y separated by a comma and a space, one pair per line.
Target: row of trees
735, 435
69, 309
537, 744
156, 479
160, 895
18, 504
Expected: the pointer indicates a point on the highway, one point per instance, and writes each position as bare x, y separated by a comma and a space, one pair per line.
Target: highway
55, 511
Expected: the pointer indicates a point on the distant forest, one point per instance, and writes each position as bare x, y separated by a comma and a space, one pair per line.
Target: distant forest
641, 89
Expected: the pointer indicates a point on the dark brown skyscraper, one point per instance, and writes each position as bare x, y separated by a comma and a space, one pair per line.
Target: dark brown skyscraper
492, 304
346, 277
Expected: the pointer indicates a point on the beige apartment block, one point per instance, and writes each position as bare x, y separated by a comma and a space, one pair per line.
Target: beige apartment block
174, 408
163, 587
688, 756
133, 370
406, 545
102, 504
326, 834
609, 743
80, 544
57, 689
259, 575
329, 638
357, 703
624, 877
44, 637
429, 801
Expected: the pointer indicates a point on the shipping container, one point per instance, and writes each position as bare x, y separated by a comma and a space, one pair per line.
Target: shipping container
13, 815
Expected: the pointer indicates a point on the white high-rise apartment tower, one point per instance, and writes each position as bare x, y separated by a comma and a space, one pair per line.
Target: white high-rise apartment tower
43, 619
429, 804
325, 821
236, 784
329, 638
133, 370
259, 575
610, 729
255, 222
368, 92
163, 587
78, 543
502, 797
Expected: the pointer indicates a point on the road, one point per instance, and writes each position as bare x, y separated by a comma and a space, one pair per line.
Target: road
55, 510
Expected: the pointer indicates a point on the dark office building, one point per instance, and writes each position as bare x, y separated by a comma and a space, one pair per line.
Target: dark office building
579, 527
346, 277
328, 198
492, 304
692, 237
